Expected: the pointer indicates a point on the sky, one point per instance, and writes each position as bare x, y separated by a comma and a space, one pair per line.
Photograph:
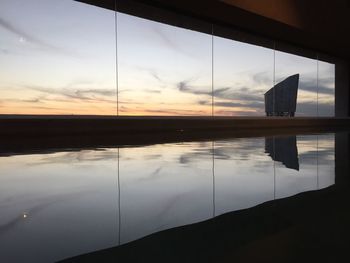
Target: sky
63, 57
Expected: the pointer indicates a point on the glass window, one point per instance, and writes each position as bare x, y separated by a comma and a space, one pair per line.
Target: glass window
68, 57
326, 89
57, 57
163, 70
301, 71
242, 75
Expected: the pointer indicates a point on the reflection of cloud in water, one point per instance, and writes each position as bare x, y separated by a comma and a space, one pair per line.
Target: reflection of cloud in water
152, 156
77, 157
239, 149
153, 176
323, 156
310, 151
235, 149
168, 205
196, 155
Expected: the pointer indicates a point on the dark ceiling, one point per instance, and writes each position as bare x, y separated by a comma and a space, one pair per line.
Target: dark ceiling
321, 25
326, 21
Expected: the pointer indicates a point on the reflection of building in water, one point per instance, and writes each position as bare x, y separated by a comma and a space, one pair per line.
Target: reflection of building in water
281, 100
284, 150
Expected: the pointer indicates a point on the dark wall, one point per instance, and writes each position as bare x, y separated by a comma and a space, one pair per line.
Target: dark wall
342, 91
328, 19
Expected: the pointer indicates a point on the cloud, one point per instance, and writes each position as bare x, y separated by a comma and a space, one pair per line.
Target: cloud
75, 94
233, 104
152, 72
153, 91
155, 75
239, 97
167, 41
35, 100
263, 78
323, 86
103, 92
220, 92
310, 108
258, 105
5, 51
184, 86
171, 112
235, 112
165, 38
171, 42
253, 98
24, 36
242, 95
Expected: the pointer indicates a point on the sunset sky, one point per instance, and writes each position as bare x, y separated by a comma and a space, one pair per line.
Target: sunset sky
59, 57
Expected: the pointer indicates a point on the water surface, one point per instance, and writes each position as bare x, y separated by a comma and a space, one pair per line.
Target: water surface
62, 204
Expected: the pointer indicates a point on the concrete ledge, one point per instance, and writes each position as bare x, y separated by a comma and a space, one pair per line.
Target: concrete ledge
40, 125
24, 134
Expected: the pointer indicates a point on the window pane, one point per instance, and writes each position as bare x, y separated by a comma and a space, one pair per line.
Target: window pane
242, 75
57, 57
163, 70
326, 89
288, 65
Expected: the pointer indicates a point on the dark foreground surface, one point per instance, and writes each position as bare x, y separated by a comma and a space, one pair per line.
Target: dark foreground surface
309, 227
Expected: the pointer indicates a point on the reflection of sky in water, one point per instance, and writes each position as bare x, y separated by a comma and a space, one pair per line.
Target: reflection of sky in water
290, 182
69, 200
243, 174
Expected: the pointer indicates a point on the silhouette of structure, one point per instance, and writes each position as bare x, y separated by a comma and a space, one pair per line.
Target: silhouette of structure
284, 150
281, 100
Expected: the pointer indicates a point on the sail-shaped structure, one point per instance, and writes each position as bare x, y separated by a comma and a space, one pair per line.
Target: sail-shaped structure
281, 100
